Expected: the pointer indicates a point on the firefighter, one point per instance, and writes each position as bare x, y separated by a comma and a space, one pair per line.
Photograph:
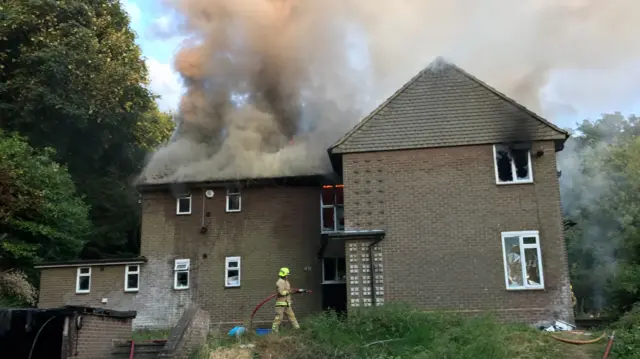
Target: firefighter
283, 301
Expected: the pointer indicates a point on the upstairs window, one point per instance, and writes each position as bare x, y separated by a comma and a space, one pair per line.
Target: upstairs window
512, 164
522, 260
234, 200
332, 208
132, 278
83, 280
334, 270
181, 274
232, 272
183, 204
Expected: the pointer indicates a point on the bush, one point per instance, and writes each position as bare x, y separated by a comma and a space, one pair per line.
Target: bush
627, 336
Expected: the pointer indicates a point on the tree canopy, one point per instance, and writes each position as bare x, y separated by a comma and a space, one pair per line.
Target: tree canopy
73, 79
601, 200
41, 215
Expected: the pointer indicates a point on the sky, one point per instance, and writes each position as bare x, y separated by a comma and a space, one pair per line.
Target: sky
583, 90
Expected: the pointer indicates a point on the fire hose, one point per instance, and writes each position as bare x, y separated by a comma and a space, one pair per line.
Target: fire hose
264, 301
578, 342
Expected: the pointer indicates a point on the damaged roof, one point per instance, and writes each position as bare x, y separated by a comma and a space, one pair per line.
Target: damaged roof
444, 105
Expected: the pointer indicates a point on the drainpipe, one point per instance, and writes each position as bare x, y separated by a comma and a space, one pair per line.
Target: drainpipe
373, 282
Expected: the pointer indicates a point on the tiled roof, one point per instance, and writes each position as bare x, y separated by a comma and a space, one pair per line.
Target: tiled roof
445, 106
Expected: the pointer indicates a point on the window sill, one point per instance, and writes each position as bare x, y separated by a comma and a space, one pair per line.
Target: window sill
233, 210
132, 290
232, 286
180, 288
183, 213
83, 292
514, 183
520, 289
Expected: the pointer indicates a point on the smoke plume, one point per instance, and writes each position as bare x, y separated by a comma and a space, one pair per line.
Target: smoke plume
270, 84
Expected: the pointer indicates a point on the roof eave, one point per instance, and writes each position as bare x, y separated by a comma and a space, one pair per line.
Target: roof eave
92, 263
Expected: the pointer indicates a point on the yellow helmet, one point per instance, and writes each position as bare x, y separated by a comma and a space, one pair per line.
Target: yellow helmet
284, 271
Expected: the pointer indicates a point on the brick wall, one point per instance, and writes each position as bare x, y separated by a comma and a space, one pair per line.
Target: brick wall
444, 215
58, 288
95, 338
277, 227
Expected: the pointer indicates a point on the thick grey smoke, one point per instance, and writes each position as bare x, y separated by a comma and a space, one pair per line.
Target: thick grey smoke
270, 84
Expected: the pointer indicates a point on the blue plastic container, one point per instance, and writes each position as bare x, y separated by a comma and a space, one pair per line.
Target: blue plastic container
263, 331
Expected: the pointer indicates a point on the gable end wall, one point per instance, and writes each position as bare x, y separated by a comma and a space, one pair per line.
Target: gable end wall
444, 214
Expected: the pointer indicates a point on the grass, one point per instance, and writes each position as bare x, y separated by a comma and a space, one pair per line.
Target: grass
149, 334
397, 332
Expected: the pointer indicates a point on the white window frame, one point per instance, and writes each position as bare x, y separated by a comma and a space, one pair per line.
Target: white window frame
537, 246
236, 192
227, 269
181, 266
80, 274
128, 272
325, 281
513, 169
335, 211
178, 205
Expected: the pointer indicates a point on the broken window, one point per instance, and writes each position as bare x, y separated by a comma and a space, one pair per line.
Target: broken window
513, 165
333, 270
181, 274
132, 278
522, 260
183, 205
332, 205
234, 200
83, 280
232, 272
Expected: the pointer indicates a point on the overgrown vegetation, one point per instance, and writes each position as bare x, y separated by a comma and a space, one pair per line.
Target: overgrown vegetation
400, 332
600, 185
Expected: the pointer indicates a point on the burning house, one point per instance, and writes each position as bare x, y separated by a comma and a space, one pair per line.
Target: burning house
445, 197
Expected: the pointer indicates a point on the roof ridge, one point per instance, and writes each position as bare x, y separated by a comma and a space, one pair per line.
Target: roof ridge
379, 108
506, 98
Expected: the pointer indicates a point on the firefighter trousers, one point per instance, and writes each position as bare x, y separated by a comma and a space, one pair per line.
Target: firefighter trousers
280, 312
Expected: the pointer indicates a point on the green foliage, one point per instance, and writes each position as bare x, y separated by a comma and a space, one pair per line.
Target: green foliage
72, 79
627, 335
43, 217
601, 195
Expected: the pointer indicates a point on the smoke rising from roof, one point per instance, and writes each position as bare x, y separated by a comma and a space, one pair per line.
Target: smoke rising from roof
270, 83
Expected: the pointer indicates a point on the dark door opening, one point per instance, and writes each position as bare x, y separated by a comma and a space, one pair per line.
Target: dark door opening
334, 297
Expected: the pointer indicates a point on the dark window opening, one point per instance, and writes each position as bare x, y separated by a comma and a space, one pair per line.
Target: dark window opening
182, 279
184, 205
512, 164
84, 282
332, 202
132, 281
233, 200
334, 269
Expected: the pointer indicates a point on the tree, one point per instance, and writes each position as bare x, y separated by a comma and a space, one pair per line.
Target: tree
41, 215
600, 185
72, 78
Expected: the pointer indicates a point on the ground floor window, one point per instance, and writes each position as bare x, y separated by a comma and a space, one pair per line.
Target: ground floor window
334, 270
522, 260
232, 272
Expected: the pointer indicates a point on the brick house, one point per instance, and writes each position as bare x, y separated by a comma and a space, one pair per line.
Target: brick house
446, 197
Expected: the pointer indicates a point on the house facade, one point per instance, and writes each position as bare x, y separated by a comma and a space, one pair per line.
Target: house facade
445, 197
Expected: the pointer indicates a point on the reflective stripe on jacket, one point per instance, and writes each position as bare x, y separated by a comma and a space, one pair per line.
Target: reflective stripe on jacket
283, 289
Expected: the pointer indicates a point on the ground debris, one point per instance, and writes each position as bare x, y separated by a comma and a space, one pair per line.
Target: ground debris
231, 353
